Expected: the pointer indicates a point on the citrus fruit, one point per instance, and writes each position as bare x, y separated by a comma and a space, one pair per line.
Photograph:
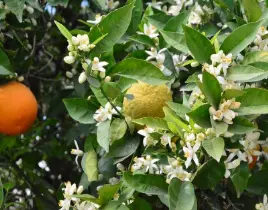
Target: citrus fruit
148, 100
18, 108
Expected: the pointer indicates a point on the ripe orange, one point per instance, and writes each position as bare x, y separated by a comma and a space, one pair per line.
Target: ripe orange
18, 108
253, 163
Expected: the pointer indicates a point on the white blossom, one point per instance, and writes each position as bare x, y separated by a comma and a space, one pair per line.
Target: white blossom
69, 59
251, 145
222, 60
155, 4
97, 20
104, 113
263, 205
82, 77
111, 4
147, 140
190, 154
149, 30
98, 65
77, 152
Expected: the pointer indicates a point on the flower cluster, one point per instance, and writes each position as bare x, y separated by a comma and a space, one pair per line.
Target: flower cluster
225, 112
105, 113
78, 44
261, 40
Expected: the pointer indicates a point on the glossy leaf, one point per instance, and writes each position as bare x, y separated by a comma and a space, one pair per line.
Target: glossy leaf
175, 24
214, 147
149, 183
240, 38
89, 165
115, 24
139, 70
157, 123
256, 184
241, 125
199, 45
201, 116
5, 66
64, 31
240, 178
103, 134
118, 129
252, 10
211, 88
209, 174
181, 195
80, 110
17, 7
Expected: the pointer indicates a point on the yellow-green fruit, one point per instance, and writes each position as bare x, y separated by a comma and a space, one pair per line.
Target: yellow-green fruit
148, 100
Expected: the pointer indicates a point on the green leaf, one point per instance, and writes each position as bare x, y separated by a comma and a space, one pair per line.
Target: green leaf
252, 9
17, 7
114, 25
214, 147
241, 126
106, 192
209, 174
125, 83
254, 101
99, 95
5, 66
125, 149
55, 3
80, 110
118, 129
248, 73
232, 93
176, 40
140, 203
157, 123
143, 39
211, 88
180, 109
103, 134
170, 116
136, 16
90, 166
199, 45
175, 24
64, 31
201, 116
1, 194
139, 70
257, 56
149, 183
159, 20
240, 38
240, 178
219, 127
181, 195
114, 205
256, 183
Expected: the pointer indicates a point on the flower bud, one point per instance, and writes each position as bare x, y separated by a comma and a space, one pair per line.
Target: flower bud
69, 59
194, 64
82, 78
75, 40
69, 74
107, 79
20, 78
102, 74
80, 189
120, 167
30, 9
84, 66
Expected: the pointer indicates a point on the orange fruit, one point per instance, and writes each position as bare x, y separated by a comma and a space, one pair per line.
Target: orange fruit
18, 109
253, 163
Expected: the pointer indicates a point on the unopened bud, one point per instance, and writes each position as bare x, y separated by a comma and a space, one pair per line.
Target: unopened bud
69, 74
102, 74
107, 79
82, 78
194, 64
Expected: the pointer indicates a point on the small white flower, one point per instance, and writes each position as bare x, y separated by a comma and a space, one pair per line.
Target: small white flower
98, 66
190, 154
150, 165
139, 163
155, 4
178, 60
147, 140
82, 77
97, 20
166, 139
110, 4
251, 145
76, 152
179, 173
149, 30
230, 165
223, 60
69, 191
86, 205
264, 205
104, 113
69, 59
